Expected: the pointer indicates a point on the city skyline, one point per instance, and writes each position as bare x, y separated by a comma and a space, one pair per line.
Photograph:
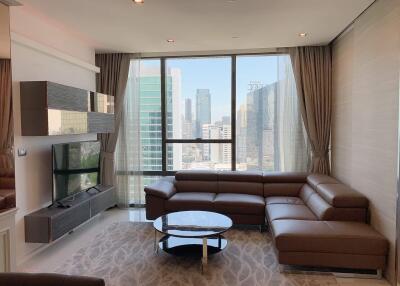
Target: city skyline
262, 114
190, 117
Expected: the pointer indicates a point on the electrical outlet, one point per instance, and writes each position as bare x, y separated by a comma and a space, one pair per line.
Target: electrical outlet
21, 152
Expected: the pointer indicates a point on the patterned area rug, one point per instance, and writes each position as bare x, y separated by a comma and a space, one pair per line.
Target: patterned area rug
123, 254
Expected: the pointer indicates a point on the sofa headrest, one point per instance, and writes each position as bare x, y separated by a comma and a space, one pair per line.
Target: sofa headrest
341, 196
316, 179
286, 177
196, 175
241, 176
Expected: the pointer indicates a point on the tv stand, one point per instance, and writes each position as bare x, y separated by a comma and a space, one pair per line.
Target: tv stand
50, 223
93, 188
63, 205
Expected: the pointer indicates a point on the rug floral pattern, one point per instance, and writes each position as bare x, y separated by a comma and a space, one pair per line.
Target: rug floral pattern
123, 254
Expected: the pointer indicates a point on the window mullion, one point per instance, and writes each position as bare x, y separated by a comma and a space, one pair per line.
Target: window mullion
233, 112
163, 116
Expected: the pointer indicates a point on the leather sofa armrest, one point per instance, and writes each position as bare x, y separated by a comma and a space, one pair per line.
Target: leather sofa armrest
163, 188
48, 279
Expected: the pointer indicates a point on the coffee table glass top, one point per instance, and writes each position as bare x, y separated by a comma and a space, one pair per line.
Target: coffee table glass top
193, 224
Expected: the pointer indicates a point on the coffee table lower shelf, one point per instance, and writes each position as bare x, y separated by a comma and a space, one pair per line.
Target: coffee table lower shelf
191, 246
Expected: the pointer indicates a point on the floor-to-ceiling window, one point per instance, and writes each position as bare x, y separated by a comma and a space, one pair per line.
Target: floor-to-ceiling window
198, 106
269, 129
216, 113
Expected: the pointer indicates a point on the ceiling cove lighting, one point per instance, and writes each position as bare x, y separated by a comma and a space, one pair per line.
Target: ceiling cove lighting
303, 35
138, 1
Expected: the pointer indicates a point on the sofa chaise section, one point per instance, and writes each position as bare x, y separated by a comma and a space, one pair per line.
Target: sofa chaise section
329, 244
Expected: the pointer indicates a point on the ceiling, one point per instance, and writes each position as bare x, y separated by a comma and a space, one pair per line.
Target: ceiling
201, 25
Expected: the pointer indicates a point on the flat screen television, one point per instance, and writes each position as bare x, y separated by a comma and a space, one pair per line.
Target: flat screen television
76, 168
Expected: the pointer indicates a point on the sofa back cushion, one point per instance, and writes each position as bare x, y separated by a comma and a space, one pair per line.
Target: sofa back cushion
283, 184
341, 202
306, 192
240, 182
316, 203
317, 179
196, 175
342, 196
196, 181
320, 207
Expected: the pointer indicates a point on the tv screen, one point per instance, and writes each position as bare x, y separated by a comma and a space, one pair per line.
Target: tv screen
76, 167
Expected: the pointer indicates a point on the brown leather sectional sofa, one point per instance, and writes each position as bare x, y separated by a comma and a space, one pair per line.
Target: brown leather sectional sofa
7, 190
314, 219
47, 279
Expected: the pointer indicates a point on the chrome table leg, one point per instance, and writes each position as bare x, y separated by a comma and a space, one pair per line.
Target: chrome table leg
205, 255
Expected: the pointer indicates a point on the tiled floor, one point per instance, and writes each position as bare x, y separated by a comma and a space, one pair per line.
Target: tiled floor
52, 257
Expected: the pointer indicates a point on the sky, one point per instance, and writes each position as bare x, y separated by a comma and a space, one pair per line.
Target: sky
214, 73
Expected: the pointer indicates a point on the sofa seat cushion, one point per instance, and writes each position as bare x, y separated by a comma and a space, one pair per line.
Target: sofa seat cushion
287, 211
239, 204
328, 237
284, 200
190, 201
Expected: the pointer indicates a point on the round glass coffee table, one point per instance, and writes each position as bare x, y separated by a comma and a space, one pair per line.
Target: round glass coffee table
194, 233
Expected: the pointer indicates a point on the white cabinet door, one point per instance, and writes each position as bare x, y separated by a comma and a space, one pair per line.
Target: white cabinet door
4, 251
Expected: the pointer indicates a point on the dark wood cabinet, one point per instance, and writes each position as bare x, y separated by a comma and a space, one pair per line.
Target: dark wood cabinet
49, 108
49, 224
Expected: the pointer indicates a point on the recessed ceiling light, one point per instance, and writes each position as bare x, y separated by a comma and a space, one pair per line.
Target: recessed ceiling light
139, 1
303, 35
170, 40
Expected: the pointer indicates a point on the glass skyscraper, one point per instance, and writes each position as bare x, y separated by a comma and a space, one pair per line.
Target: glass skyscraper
203, 110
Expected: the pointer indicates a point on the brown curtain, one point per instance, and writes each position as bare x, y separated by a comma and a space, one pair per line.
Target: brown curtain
6, 118
111, 80
312, 67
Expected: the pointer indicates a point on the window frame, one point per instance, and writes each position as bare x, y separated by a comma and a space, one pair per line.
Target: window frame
165, 141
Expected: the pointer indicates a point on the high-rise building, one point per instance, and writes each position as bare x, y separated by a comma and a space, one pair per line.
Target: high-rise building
188, 109
203, 109
226, 120
260, 127
217, 153
241, 134
150, 119
226, 133
187, 128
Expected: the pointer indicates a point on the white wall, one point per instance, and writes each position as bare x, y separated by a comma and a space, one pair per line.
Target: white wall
33, 172
365, 113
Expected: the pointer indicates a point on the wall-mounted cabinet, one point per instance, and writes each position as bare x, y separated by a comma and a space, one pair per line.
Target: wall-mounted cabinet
49, 108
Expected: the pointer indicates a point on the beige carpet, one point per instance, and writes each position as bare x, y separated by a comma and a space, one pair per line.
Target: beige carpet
123, 254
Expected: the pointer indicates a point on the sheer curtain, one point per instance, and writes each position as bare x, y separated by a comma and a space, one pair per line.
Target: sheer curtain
111, 80
291, 144
128, 152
